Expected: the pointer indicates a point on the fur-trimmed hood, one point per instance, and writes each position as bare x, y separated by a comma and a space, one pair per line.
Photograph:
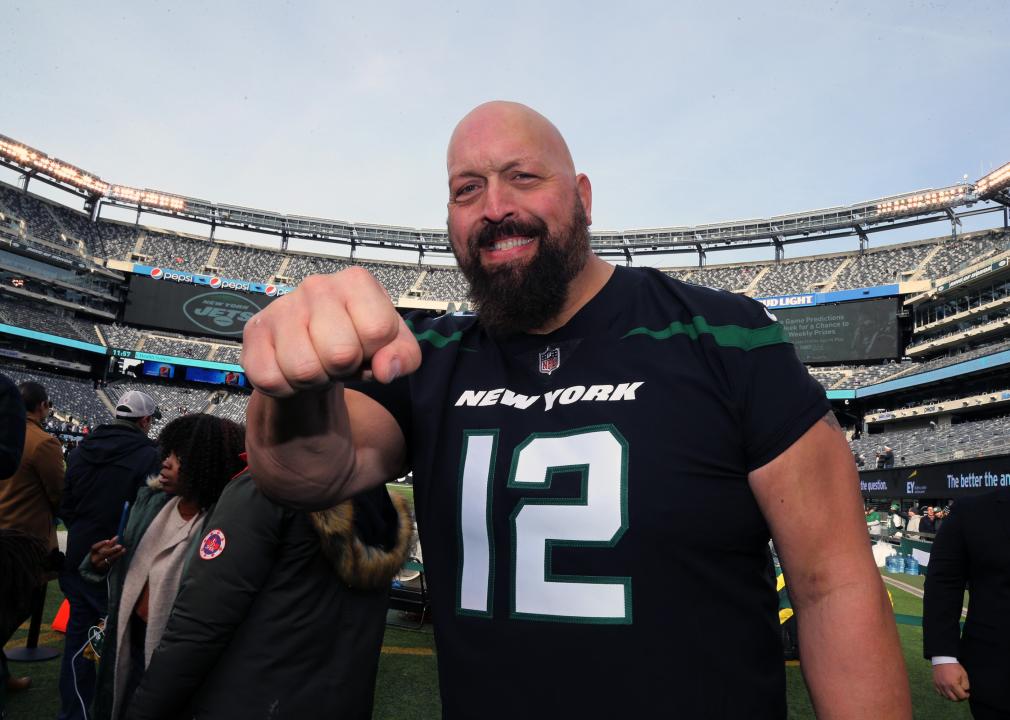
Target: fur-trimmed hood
360, 565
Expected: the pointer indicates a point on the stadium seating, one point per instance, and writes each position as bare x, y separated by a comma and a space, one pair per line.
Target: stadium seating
924, 444
172, 400
122, 336
446, 284
72, 396
175, 251
397, 279
237, 261
727, 277
233, 407
797, 276
70, 232
227, 353
33, 211
301, 266
954, 256
55, 321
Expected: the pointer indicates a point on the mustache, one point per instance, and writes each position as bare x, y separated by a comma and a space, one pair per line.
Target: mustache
534, 227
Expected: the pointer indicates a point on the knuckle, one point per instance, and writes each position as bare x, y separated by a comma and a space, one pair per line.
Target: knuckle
306, 371
269, 383
343, 358
311, 283
378, 328
355, 274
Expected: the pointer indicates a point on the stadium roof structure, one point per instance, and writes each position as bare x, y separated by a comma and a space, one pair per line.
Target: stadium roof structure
902, 210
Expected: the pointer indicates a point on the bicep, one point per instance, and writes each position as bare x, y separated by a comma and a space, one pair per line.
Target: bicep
809, 496
379, 445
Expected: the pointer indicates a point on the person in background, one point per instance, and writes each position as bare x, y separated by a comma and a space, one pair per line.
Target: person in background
29, 497
971, 552
296, 601
12, 427
912, 525
199, 455
105, 472
930, 523
22, 563
873, 521
896, 522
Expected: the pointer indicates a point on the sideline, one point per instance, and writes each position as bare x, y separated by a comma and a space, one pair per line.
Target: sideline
912, 590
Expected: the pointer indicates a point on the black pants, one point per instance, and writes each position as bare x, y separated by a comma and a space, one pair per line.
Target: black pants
77, 673
986, 712
138, 631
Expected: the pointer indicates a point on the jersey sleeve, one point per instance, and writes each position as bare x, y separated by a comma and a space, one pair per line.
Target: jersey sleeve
780, 400
395, 397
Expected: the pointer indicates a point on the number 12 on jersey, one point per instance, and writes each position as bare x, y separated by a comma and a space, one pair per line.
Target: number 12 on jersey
598, 517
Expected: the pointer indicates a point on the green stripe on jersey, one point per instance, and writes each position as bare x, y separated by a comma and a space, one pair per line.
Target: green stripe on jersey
436, 339
724, 335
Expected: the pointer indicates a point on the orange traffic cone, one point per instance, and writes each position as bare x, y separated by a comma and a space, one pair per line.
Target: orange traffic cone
62, 615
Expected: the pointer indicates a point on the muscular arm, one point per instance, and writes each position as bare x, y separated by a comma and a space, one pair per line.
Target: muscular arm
848, 639
313, 450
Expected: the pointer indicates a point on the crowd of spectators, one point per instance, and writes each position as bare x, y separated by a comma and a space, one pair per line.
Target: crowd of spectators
933, 443
61, 225
44, 318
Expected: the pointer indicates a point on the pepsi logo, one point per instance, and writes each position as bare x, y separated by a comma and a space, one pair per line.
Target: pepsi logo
215, 282
157, 273
270, 290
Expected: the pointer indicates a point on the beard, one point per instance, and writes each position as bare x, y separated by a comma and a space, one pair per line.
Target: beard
518, 297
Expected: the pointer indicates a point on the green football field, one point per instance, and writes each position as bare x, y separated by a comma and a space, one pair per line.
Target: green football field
407, 686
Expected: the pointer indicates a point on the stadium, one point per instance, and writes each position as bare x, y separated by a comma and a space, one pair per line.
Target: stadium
910, 339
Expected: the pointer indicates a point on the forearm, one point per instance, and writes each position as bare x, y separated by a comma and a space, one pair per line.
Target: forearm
850, 650
299, 448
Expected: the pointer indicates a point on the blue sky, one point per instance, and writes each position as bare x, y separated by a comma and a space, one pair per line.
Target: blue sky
680, 113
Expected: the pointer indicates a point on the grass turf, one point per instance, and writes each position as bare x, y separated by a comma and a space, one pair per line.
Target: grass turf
407, 685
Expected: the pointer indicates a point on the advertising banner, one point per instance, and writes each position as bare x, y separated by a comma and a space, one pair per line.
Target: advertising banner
195, 309
938, 480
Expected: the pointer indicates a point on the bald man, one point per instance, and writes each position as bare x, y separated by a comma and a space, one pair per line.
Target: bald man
553, 436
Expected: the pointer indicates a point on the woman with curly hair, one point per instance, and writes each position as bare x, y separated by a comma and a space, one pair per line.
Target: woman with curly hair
200, 454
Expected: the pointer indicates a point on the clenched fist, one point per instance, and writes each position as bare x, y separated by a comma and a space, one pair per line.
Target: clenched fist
333, 327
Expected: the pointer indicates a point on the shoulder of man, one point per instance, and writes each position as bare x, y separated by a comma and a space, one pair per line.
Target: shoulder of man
439, 331
728, 318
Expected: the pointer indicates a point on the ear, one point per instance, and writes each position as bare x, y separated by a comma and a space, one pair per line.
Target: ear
585, 191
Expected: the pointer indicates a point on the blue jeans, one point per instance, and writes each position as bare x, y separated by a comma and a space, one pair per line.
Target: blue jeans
88, 605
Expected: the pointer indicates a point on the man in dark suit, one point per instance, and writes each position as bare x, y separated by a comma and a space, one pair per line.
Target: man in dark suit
971, 550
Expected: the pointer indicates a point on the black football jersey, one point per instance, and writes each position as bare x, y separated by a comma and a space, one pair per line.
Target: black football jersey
591, 542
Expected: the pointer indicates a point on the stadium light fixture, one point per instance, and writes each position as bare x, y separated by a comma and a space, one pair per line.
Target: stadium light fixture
995, 181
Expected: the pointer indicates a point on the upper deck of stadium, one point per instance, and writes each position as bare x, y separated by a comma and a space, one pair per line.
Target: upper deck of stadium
899, 210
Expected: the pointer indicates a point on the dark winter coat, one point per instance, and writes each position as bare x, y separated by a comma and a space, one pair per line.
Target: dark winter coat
108, 468
281, 613
12, 427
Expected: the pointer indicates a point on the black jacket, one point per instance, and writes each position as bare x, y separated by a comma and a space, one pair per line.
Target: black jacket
972, 549
12, 427
107, 469
283, 617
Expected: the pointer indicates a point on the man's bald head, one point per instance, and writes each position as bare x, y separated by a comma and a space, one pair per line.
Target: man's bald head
494, 125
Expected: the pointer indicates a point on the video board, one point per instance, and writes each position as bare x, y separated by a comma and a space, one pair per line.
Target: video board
196, 309
843, 332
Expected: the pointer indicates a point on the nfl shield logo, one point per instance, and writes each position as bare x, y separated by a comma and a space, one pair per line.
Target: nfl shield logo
550, 360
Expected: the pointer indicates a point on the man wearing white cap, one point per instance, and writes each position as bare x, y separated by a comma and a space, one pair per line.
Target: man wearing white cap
103, 473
